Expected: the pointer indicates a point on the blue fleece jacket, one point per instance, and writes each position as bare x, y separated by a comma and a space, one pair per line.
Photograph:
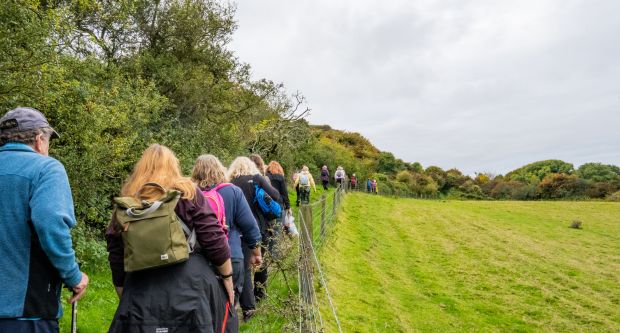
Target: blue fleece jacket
34, 196
240, 220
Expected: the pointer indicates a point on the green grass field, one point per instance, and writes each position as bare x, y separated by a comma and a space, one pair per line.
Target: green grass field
402, 265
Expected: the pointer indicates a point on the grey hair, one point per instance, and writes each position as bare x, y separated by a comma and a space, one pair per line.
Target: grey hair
26, 137
208, 171
242, 166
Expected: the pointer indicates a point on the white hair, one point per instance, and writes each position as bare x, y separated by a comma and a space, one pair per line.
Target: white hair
242, 166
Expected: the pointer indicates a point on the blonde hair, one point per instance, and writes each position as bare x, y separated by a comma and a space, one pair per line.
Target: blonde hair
208, 171
305, 168
275, 168
260, 164
157, 165
242, 166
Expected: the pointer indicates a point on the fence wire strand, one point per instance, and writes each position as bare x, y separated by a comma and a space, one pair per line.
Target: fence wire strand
324, 213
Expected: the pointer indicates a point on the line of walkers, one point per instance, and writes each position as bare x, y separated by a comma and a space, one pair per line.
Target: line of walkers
181, 250
236, 217
303, 181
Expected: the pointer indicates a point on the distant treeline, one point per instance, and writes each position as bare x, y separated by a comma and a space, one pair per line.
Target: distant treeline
548, 180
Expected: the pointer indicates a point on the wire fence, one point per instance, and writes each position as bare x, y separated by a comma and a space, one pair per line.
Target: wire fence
315, 222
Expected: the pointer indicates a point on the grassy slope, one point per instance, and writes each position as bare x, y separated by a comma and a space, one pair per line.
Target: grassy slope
436, 266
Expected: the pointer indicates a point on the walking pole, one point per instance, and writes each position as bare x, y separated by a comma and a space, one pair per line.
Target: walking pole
74, 317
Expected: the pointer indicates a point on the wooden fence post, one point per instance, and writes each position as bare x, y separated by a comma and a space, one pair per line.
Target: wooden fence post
305, 212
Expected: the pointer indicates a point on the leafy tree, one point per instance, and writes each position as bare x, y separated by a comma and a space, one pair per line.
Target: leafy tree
405, 177
424, 185
437, 174
388, 164
416, 167
561, 185
536, 171
26, 50
455, 179
482, 179
469, 190
598, 172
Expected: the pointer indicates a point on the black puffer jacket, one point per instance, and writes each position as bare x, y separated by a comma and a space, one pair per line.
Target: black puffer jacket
278, 182
246, 183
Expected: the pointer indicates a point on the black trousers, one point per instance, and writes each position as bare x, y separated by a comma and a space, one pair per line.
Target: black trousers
246, 300
304, 193
260, 279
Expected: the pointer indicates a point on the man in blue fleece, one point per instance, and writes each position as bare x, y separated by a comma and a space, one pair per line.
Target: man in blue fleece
36, 215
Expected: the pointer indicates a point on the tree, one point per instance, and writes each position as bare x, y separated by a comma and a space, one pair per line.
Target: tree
438, 175
424, 185
388, 164
455, 178
482, 178
598, 172
511, 189
560, 186
416, 167
536, 171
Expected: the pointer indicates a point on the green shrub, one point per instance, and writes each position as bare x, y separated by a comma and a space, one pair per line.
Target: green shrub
614, 196
90, 249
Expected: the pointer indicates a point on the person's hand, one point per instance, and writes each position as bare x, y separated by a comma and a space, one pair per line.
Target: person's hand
230, 290
80, 289
256, 259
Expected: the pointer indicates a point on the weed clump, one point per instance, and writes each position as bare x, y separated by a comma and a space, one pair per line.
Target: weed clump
576, 224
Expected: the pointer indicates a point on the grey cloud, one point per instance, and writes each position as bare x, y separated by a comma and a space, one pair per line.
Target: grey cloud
479, 85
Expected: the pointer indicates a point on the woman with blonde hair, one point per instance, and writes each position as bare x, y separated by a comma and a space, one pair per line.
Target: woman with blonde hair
243, 173
209, 174
185, 296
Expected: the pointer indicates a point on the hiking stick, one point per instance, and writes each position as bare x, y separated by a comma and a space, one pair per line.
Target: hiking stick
74, 317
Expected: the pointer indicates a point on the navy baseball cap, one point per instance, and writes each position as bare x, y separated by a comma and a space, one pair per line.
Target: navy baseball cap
24, 119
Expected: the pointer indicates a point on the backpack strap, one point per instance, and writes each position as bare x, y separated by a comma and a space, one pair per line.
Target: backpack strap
191, 236
134, 213
222, 185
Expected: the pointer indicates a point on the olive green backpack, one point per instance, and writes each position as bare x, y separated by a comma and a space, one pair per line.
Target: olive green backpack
153, 234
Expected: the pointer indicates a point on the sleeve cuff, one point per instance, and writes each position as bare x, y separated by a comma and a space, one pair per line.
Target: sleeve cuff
74, 278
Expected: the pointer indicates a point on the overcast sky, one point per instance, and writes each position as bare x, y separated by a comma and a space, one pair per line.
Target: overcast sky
482, 85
